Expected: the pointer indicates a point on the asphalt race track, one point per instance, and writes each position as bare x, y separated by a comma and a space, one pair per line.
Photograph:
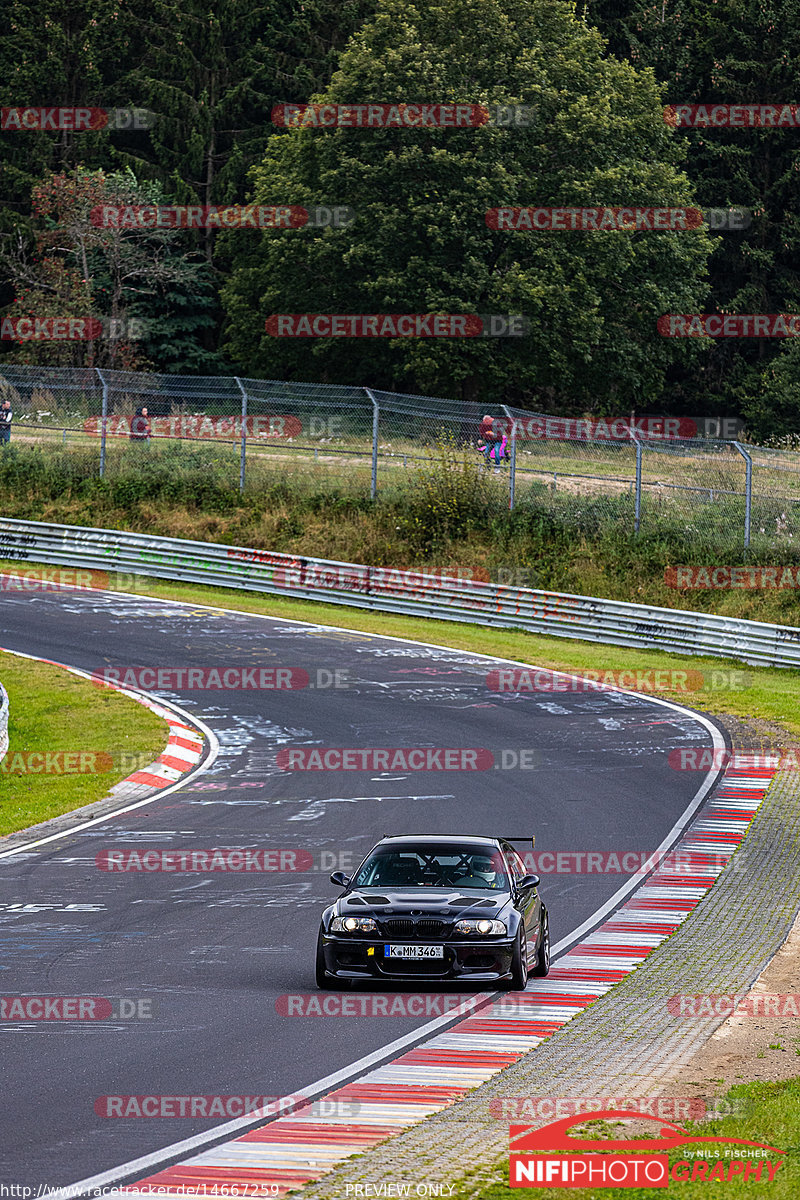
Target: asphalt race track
214, 951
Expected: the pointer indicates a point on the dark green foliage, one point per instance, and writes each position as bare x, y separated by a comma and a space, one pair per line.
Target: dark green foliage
211, 73
421, 244
731, 52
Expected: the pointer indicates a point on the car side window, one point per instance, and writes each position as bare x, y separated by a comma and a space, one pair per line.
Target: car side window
516, 864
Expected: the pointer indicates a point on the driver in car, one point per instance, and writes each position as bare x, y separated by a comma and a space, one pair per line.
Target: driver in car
484, 872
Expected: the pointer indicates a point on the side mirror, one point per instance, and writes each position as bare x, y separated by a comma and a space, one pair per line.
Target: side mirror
528, 881
341, 880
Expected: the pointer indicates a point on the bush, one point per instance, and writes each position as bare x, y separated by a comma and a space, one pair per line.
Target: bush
451, 495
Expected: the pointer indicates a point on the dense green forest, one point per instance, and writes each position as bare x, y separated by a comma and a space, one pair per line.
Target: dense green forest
196, 84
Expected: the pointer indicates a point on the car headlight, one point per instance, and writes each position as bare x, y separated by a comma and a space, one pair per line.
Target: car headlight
482, 926
353, 925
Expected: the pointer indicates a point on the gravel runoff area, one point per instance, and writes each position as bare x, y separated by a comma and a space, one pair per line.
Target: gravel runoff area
628, 1043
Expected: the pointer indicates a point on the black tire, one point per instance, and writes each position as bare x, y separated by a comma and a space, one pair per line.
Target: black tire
519, 962
324, 980
542, 965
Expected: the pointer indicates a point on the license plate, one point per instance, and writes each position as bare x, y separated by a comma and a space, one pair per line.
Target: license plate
413, 951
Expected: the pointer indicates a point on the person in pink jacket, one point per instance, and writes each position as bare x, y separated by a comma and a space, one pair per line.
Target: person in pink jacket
495, 444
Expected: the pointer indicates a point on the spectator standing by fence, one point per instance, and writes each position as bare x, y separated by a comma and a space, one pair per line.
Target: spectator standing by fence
6, 417
140, 426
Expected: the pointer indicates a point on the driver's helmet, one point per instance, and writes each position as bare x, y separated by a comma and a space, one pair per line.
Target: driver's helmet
483, 865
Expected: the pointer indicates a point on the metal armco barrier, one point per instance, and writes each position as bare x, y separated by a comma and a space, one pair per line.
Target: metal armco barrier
3, 722
382, 589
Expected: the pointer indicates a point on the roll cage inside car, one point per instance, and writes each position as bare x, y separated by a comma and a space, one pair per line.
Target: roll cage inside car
420, 865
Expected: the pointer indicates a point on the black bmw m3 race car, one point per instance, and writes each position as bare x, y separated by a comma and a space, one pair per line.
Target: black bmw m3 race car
436, 907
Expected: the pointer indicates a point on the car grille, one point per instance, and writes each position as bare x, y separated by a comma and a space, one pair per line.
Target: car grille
405, 927
432, 929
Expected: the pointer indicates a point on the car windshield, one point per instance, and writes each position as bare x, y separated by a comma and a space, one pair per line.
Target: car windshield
445, 866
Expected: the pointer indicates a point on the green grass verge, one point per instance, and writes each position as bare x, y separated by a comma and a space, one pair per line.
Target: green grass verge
53, 711
772, 695
772, 1118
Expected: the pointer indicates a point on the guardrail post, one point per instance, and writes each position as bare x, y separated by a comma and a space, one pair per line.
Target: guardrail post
512, 478
748, 492
637, 508
243, 462
375, 422
103, 421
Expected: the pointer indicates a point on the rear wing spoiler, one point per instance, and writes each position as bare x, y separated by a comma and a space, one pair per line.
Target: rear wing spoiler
529, 838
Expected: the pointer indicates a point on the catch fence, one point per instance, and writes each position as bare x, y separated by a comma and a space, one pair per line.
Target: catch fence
250, 433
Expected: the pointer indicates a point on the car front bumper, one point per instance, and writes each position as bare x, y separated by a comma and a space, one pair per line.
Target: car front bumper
473, 958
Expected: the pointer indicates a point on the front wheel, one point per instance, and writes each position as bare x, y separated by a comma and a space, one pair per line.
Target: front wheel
542, 964
324, 980
519, 962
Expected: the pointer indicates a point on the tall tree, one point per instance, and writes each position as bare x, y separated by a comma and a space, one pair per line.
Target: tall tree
59, 54
421, 243
210, 74
729, 52
78, 268
212, 70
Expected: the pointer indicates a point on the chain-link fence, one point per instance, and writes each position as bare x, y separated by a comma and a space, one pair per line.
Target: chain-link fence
775, 497
697, 486
255, 435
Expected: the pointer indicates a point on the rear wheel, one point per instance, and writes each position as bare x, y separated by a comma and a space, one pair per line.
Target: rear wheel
324, 980
519, 962
542, 964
